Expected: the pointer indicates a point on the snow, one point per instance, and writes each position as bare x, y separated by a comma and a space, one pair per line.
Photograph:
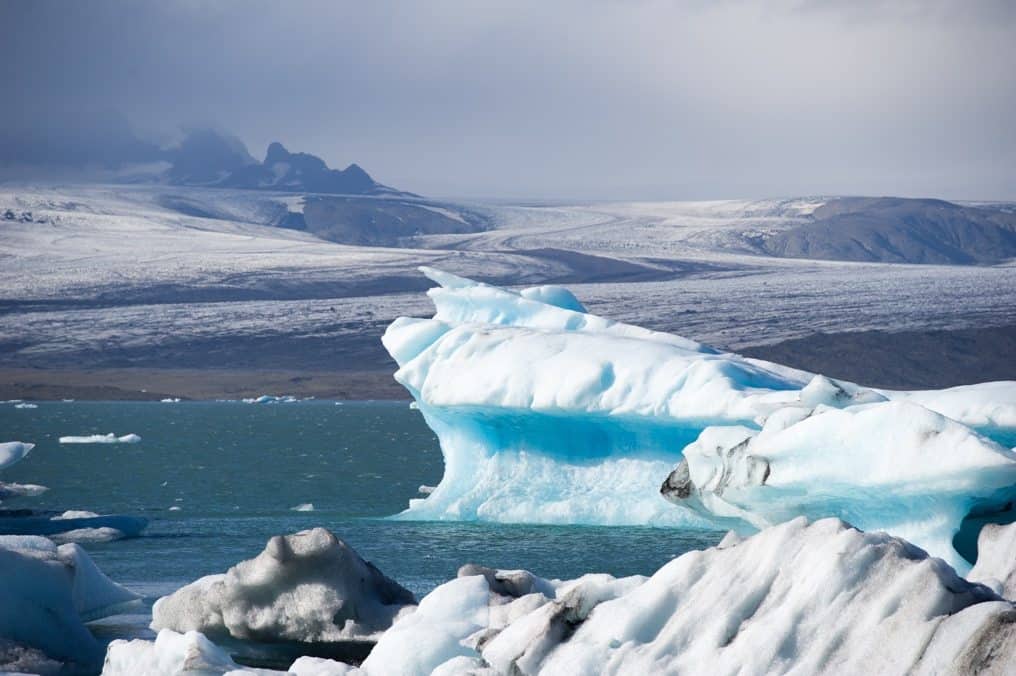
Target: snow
48, 593
996, 559
138, 272
307, 587
102, 439
12, 452
547, 414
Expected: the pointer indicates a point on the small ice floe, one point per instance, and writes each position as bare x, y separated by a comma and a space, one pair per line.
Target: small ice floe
14, 490
303, 507
426, 490
103, 534
170, 400
271, 399
102, 439
175, 508
25, 405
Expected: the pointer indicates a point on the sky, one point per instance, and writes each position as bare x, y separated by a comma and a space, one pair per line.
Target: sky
592, 100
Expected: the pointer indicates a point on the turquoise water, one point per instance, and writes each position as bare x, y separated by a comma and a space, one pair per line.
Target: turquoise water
236, 471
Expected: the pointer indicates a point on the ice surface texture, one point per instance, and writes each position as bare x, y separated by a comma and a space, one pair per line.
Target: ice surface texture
546, 413
309, 587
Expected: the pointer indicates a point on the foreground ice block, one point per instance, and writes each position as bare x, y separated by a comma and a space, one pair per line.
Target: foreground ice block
46, 593
798, 598
307, 587
548, 414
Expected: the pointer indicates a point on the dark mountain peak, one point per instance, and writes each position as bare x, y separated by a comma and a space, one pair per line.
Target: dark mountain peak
207, 156
276, 153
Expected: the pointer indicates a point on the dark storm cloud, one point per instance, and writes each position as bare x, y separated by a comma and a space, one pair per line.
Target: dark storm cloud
599, 99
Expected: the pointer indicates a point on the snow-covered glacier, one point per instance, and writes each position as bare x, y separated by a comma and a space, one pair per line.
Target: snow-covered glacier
548, 414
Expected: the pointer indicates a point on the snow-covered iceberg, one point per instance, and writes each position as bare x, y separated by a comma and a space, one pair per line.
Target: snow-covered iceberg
307, 587
547, 413
47, 593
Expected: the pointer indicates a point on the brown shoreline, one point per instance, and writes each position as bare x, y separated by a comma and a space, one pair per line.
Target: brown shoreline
153, 384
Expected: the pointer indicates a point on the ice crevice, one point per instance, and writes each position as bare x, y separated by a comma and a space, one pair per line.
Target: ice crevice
549, 414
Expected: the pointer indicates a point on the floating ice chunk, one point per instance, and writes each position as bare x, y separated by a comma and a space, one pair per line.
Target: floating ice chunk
13, 490
303, 507
170, 400
76, 514
13, 451
425, 490
307, 587
26, 405
892, 465
996, 559
47, 593
170, 653
102, 439
270, 399
104, 534
192, 653
128, 526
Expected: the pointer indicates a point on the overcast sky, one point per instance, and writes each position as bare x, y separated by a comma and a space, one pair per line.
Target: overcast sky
598, 99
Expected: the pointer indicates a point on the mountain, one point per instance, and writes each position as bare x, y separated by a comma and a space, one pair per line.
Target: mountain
207, 157
302, 172
900, 230
104, 148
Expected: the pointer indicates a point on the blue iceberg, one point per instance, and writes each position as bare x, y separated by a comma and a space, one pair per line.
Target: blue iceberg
548, 414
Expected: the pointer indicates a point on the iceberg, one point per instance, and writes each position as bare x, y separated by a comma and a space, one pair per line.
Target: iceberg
306, 587
102, 439
48, 592
549, 414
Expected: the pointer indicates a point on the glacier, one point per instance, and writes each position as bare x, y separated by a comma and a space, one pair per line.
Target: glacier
549, 414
